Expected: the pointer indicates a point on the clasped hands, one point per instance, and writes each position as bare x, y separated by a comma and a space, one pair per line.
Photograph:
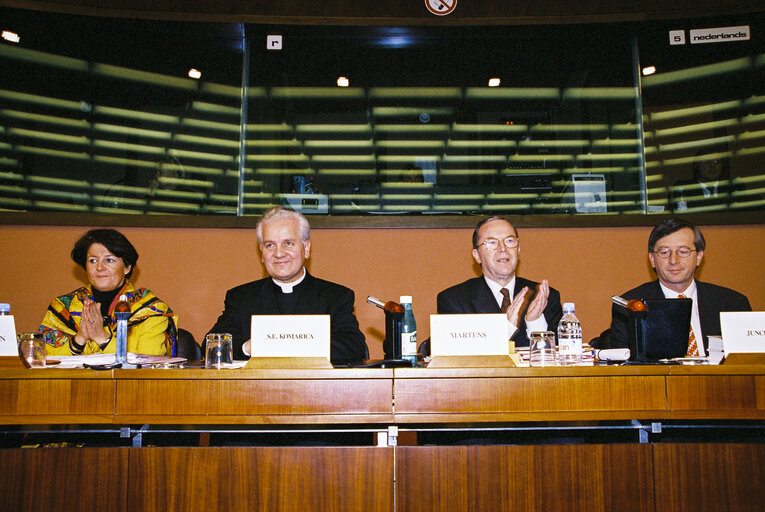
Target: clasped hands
91, 325
535, 308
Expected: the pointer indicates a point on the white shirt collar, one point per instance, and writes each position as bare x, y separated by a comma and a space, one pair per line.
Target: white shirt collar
689, 292
287, 287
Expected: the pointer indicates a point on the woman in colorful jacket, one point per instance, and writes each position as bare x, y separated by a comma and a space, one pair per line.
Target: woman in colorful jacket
83, 321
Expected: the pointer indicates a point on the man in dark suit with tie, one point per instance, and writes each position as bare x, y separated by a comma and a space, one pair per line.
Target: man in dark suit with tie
675, 249
533, 306
284, 239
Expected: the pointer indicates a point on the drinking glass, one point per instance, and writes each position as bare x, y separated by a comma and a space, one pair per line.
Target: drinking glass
32, 349
219, 350
542, 349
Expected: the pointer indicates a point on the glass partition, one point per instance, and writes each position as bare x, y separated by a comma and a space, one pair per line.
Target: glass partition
100, 115
419, 130
704, 114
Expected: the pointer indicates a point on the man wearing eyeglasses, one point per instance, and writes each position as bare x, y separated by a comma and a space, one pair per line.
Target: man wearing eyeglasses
530, 306
675, 249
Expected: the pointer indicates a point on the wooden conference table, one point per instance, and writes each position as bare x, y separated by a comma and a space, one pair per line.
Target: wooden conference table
389, 404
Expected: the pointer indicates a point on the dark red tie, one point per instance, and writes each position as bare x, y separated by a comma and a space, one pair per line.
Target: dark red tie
505, 299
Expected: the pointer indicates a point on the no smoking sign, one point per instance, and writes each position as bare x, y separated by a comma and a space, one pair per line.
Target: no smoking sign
441, 7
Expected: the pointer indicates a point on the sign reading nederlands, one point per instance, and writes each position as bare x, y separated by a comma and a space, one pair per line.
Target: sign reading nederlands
441, 7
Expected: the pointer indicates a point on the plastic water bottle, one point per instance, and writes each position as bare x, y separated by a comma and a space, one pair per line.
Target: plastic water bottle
569, 337
122, 313
408, 331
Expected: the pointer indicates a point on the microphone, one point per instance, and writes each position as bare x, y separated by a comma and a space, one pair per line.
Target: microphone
394, 312
632, 304
390, 306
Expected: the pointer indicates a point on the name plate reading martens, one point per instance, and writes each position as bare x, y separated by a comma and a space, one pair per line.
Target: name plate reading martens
743, 331
290, 336
469, 335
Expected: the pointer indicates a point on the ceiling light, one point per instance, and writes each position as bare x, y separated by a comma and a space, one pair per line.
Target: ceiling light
195, 74
343, 81
11, 36
493, 82
649, 70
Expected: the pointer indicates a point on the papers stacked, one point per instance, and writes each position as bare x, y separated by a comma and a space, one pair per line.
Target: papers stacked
716, 351
107, 359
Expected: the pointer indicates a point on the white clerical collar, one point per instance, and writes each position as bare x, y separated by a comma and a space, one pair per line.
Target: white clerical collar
495, 288
287, 287
689, 292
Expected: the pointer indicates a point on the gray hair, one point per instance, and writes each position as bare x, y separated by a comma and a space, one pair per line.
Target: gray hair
278, 212
486, 221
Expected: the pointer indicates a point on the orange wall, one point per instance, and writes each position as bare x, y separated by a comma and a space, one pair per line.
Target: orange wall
191, 269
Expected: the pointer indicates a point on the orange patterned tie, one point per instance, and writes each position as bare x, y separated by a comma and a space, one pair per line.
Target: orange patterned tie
505, 299
693, 349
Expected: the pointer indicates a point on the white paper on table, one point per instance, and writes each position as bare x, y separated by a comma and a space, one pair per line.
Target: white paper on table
99, 359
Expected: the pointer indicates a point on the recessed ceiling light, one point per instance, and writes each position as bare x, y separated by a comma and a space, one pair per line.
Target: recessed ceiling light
195, 73
343, 81
11, 36
494, 82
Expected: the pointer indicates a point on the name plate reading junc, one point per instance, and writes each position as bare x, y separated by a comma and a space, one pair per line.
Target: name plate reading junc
468, 335
290, 336
743, 331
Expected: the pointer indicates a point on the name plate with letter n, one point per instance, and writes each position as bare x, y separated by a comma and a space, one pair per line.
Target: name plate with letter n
471, 340
8, 345
289, 341
743, 332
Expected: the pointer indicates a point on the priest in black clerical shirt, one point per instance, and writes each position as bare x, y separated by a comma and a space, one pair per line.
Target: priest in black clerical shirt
284, 239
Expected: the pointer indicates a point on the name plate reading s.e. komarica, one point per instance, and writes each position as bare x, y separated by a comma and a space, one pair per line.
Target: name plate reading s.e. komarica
290, 336
468, 335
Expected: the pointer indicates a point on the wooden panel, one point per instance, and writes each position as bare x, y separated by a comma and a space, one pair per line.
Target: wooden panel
11, 362
240, 397
461, 397
83, 399
262, 479
64, 479
525, 478
714, 393
713, 477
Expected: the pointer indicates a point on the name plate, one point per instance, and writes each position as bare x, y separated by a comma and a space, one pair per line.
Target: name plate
8, 344
743, 331
290, 336
469, 335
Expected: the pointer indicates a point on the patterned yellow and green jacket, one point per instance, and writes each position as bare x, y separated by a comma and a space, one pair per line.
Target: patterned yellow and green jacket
151, 325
